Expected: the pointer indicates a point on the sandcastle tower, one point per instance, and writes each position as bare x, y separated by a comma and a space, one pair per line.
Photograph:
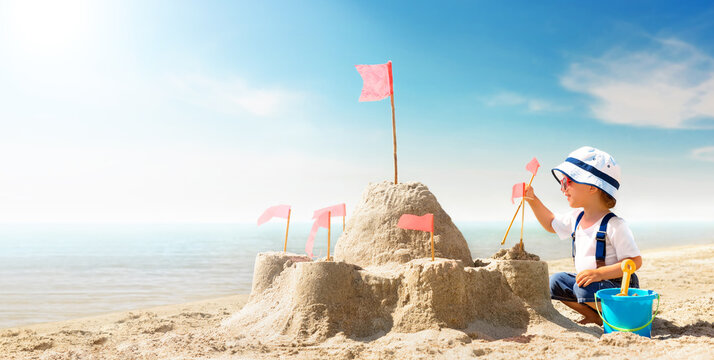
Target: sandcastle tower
371, 236
383, 280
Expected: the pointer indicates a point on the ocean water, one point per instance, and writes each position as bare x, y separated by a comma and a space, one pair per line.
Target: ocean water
51, 272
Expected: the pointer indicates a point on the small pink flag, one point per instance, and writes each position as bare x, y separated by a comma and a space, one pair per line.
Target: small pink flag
335, 210
413, 222
377, 81
533, 166
321, 221
281, 211
518, 190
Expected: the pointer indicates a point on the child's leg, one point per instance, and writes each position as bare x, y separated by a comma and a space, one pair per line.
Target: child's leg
585, 309
564, 288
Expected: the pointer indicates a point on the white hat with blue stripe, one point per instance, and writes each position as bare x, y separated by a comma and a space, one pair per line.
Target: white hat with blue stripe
591, 166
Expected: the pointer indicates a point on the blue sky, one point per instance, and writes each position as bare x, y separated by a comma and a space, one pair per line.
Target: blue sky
170, 111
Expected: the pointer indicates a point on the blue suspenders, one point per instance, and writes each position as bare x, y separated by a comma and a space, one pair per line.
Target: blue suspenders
600, 237
577, 222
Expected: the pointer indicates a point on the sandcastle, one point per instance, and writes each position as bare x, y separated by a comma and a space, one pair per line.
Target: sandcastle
383, 280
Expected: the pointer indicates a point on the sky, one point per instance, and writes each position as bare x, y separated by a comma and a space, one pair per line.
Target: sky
195, 111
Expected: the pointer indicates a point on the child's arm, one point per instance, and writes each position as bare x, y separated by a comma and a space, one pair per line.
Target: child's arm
586, 277
544, 216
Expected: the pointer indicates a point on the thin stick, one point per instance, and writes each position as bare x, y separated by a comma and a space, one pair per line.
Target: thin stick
394, 138
432, 245
343, 223
523, 212
394, 126
516, 214
511, 224
329, 227
285, 248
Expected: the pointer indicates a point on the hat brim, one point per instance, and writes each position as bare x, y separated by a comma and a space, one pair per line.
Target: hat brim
582, 176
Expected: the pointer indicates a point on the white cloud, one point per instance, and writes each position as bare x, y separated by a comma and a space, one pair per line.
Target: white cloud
234, 96
668, 86
704, 153
508, 98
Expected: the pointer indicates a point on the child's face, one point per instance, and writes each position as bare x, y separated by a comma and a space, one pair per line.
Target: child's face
577, 194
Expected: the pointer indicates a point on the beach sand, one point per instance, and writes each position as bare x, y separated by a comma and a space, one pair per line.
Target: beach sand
684, 328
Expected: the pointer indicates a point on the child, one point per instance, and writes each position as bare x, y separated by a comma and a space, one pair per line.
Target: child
589, 179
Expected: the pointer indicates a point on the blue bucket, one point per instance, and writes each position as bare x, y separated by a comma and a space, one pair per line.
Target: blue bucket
627, 313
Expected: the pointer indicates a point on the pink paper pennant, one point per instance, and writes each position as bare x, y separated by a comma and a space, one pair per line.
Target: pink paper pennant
321, 221
413, 222
335, 210
281, 211
377, 81
533, 166
518, 191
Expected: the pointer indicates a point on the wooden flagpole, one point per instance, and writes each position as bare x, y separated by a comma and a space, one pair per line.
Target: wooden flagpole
394, 138
432, 245
523, 213
516, 214
394, 123
329, 214
343, 223
285, 248
509, 226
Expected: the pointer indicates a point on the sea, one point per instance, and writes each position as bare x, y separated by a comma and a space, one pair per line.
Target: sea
55, 272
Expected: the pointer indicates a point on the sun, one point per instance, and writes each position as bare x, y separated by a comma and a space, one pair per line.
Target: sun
45, 27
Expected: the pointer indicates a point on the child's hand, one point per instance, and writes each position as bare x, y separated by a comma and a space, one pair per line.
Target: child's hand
587, 277
529, 195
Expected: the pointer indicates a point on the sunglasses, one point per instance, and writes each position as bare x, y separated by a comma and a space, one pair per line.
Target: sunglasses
565, 183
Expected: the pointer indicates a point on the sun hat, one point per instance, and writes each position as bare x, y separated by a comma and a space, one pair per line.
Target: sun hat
590, 166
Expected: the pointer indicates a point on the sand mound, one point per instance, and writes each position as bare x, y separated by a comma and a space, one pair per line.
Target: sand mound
269, 265
384, 281
515, 253
371, 235
529, 281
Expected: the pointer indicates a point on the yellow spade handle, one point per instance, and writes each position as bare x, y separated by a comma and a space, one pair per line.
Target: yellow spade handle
628, 268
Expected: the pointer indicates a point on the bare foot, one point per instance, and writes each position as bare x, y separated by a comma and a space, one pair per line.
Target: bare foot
590, 320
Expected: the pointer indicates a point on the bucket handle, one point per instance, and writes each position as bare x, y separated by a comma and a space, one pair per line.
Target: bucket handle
623, 329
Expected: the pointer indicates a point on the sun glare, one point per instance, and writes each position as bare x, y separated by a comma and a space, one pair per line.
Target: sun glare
46, 27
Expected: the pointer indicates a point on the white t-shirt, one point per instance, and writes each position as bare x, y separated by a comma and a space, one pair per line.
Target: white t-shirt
619, 243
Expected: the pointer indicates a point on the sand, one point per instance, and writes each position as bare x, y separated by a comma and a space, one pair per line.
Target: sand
684, 276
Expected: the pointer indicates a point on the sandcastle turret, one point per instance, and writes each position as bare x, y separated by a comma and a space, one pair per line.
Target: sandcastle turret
371, 235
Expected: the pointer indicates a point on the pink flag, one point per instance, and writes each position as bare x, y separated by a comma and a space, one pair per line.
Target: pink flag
518, 190
377, 81
533, 166
413, 222
321, 221
336, 210
274, 211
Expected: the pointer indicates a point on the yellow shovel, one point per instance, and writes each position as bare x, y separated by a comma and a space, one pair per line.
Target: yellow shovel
628, 268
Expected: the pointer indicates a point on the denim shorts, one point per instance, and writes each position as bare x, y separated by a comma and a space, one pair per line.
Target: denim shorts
564, 288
